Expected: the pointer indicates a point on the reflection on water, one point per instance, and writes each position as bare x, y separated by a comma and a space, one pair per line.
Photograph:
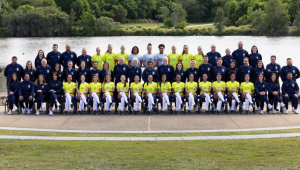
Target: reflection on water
27, 48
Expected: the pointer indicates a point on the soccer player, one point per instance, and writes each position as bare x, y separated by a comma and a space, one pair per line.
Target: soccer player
86, 58
179, 71
106, 70
150, 88
150, 71
289, 69
26, 91
261, 88
53, 57
160, 55
173, 57
219, 69
219, 88
55, 87
290, 90
232, 68
69, 88
247, 89
206, 68
38, 58
14, 67
30, 71
178, 89
166, 69
240, 54
233, 89
185, 58
191, 93
94, 70
136, 89
227, 58
259, 68
12, 92
122, 89
199, 57
274, 91
135, 54
41, 92
164, 90
122, 54
60, 74
70, 71
149, 57
193, 70
67, 56
213, 55
110, 57
82, 70
94, 91
99, 58
254, 56
205, 89
45, 70
273, 67
108, 89
82, 92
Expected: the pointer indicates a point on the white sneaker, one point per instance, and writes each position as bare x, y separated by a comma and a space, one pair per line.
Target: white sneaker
43, 106
270, 106
287, 112
282, 104
9, 112
262, 112
50, 113
37, 113
274, 111
295, 111
57, 104
23, 110
15, 108
29, 111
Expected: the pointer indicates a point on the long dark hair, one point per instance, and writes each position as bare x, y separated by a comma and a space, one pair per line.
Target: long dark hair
234, 65
55, 73
276, 79
37, 56
58, 72
261, 63
183, 49
125, 81
161, 79
11, 79
26, 68
259, 75
79, 82
104, 80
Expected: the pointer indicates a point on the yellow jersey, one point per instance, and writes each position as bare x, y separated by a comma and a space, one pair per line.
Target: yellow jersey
186, 59
83, 87
99, 59
178, 87
205, 86
120, 86
199, 59
108, 86
191, 86
233, 86
95, 87
136, 87
125, 56
151, 87
164, 86
173, 58
69, 87
219, 85
247, 87
110, 58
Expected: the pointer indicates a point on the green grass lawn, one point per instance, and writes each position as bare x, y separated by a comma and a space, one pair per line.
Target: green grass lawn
63, 134
281, 153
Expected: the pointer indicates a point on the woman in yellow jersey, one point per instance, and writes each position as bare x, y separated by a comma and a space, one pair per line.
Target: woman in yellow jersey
178, 89
205, 89
164, 90
69, 91
219, 88
110, 57
247, 89
173, 57
199, 57
95, 90
122, 54
233, 89
191, 92
123, 88
108, 89
99, 58
185, 58
150, 93
82, 92
136, 89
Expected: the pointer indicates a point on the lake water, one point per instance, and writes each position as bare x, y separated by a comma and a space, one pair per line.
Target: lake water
26, 48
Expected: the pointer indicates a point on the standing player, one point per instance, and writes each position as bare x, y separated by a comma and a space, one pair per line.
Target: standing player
99, 58
122, 54
185, 58
173, 57
53, 57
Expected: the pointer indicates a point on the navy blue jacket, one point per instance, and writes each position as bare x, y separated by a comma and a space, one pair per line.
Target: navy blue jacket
60, 77
120, 70
38, 62
42, 87
261, 87
239, 56
71, 72
26, 88
181, 73
53, 58
56, 86
227, 60
153, 72
194, 71
14, 87
206, 69
221, 70
133, 71
213, 57
286, 69
273, 68
167, 70
10, 69
237, 72
272, 88
87, 59
86, 72
256, 71
245, 70
31, 73
92, 72
253, 58
46, 72
290, 87
65, 57
104, 73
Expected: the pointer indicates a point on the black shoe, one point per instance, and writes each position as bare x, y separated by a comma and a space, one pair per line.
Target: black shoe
189, 112
176, 113
247, 112
95, 113
253, 105
135, 113
72, 106
163, 112
66, 113
129, 106
170, 107
232, 112
154, 107
79, 112
100, 105
148, 113
121, 113
240, 104
206, 112
212, 105
218, 112
182, 105
106, 113
225, 102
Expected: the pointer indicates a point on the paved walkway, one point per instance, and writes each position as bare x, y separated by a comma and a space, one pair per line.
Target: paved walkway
154, 123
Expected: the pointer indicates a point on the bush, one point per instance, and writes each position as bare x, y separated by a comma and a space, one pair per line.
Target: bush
182, 25
168, 23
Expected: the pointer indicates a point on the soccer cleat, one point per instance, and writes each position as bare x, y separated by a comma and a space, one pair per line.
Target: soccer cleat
43, 106
261, 112
84, 109
148, 113
223, 109
200, 109
79, 113
258, 109
55, 110
95, 112
9, 112
135, 113
274, 111
218, 112
66, 112
15, 108
232, 112
163, 112
106, 112
170, 107
247, 112
72, 106
50, 113
37, 113
189, 112
182, 109
207, 112
270, 106
23, 110
121, 113
176, 113
295, 111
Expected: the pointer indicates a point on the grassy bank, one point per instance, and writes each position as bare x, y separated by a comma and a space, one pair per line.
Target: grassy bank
215, 154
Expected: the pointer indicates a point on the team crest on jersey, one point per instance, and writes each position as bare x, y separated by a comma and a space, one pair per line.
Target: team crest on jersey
216, 57
243, 55
248, 71
195, 72
42, 86
293, 85
294, 71
28, 86
168, 69
262, 72
222, 70
58, 57
276, 67
84, 73
182, 74
208, 69
17, 69
263, 86
256, 57
87, 60
48, 71
71, 73
124, 68
71, 56
153, 73
31, 73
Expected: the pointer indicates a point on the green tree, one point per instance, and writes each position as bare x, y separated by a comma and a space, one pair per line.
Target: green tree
175, 12
293, 7
145, 8
87, 22
131, 8
256, 19
65, 5
219, 20
277, 17
105, 25
79, 7
297, 20
194, 10
231, 11
25, 8
120, 13
168, 23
